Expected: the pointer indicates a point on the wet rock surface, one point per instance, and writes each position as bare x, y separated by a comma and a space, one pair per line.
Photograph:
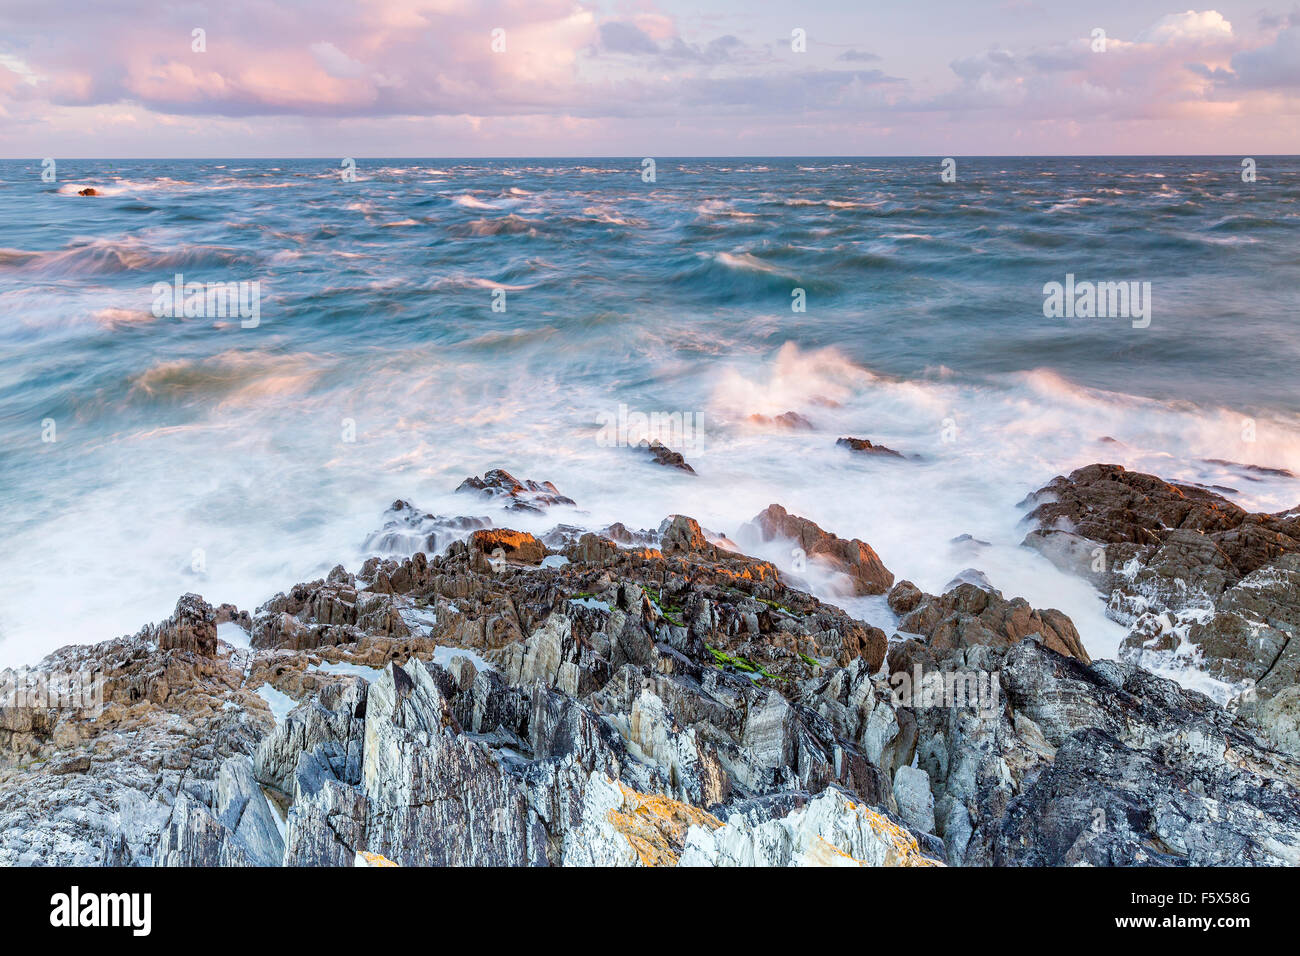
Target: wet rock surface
862, 446
861, 567
632, 698
664, 456
1193, 576
514, 494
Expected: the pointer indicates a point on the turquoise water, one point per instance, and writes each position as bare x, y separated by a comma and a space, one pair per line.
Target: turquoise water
193, 453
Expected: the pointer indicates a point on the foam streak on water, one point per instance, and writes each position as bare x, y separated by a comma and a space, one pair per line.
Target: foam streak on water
196, 455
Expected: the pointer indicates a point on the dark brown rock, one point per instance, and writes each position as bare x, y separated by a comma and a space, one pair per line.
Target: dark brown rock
791, 420
516, 495
969, 615
862, 446
866, 572
661, 454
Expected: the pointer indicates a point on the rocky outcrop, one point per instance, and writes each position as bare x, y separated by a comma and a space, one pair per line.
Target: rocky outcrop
515, 495
1190, 573
861, 567
969, 615
407, 529
864, 447
662, 455
659, 700
503, 544
788, 420
829, 830
192, 627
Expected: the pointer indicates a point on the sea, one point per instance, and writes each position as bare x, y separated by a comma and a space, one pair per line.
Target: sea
216, 375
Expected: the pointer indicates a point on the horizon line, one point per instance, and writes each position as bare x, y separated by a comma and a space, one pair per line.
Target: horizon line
637, 157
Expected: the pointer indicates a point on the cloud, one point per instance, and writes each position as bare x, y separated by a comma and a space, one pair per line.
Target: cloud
335, 62
570, 65
619, 37
1276, 65
1178, 66
1207, 26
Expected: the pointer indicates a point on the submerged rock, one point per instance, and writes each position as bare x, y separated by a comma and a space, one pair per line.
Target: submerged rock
661, 454
863, 446
406, 530
790, 420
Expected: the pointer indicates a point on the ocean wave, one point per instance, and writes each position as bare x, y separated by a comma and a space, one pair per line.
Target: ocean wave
234, 377
115, 256
510, 225
466, 201
722, 207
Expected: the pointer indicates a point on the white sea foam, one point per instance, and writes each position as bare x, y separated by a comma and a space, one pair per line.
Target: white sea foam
261, 492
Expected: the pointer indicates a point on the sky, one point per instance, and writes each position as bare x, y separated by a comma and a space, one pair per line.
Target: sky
468, 78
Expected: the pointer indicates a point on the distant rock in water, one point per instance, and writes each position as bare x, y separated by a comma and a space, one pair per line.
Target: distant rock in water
516, 495
88, 191
408, 530
792, 420
867, 574
865, 447
661, 454
1256, 469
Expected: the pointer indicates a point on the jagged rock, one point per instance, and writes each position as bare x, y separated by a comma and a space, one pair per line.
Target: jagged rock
553, 656
791, 420
1143, 771
865, 572
516, 495
679, 533
192, 627
238, 830
620, 827
661, 454
407, 530
618, 708
903, 597
915, 801
508, 545
970, 615
862, 446
434, 797
1182, 566
829, 830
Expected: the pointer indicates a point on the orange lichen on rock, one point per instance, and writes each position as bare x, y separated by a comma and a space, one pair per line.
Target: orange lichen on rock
656, 825
903, 849
366, 858
509, 544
